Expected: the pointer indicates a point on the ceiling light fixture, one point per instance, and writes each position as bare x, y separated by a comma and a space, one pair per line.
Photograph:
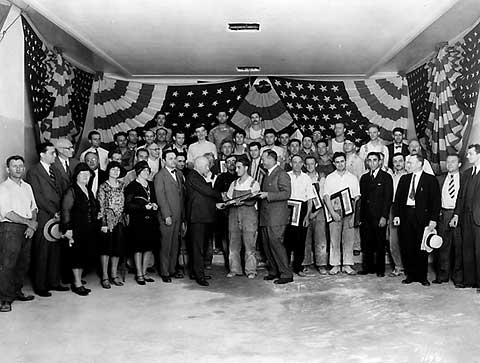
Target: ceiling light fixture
248, 69
244, 27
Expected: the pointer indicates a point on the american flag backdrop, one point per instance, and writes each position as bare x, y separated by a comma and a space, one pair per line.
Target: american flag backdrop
47, 79
417, 87
316, 105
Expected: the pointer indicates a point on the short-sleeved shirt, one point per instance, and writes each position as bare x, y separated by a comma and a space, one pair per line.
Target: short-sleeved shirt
249, 184
16, 198
335, 182
302, 187
199, 149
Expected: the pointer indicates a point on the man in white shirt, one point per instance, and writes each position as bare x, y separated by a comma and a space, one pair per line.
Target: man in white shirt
335, 145
242, 221
449, 184
256, 130
201, 147
95, 140
295, 235
154, 160
354, 163
341, 227
270, 137
375, 144
415, 149
18, 223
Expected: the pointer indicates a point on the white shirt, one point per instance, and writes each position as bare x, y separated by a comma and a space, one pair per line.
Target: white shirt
337, 147
369, 147
396, 178
95, 182
45, 166
418, 174
102, 156
201, 148
302, 187
246, 185
427, 168
334, 182
65, 163
447, 201
173, 172
272, 169
254, 167
154, 167
16, 198
397, 148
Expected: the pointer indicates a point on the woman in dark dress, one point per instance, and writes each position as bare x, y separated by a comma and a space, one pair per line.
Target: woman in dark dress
80, 224
112, 242
141, 205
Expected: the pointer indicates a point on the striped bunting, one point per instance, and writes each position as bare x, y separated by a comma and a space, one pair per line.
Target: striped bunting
58, 124
417, 87
383, 102
263, 99
122, 105
446, 121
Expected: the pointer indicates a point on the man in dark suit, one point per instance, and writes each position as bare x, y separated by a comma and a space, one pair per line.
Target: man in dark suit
274, 216
44, 180
200, 215
450, 185
397, 146
467, 213
416, 206
376, 190
64, 163
99, 175
169, 188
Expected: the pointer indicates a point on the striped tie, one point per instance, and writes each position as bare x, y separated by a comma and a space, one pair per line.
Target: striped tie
52, 174
451, 187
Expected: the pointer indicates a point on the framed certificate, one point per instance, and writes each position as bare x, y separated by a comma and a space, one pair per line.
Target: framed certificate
295, 206
328, 216
260, 175
317, 201
223, 166
347, 205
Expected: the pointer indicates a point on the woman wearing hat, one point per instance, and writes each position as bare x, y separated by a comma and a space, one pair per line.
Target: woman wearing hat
79, 222
141, 205
111, 199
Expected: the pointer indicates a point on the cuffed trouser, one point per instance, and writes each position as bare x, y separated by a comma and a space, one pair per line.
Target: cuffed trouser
448, 259
470, 250
342, 239
373, 245
272, 237
242, 224
14, 259
169, 247
198, 239
316, 242
394, 243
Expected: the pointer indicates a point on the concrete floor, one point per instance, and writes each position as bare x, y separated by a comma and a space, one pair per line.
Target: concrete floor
315, 319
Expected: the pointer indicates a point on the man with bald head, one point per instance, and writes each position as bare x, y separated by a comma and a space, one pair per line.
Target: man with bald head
64, 162
200, 215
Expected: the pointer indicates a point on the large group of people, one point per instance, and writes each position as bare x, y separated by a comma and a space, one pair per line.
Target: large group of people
298, 207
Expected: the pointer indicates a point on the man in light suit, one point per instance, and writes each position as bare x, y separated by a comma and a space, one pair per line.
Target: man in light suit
274, 216
44, 180
169, 188
416, 206
467, 213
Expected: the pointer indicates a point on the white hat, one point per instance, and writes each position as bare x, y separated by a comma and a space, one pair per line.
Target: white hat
431, 240
51, 230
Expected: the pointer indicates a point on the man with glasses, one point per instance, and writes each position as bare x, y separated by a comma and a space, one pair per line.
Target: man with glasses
64, 162
95, 141
154, 161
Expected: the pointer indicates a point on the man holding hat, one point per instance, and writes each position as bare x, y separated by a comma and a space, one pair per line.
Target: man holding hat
417, 205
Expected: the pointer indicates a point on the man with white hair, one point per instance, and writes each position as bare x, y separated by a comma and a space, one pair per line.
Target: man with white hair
64, 162
200, 215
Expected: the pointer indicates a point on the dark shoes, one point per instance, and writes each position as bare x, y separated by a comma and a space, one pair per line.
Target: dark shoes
140, 280
5, 307
23, 297
106, 284
166, 279
59, 288
202, 282
206, 277
178, 275
43, 293
438, 281
148, 278
425, 283
283, 280
407, 281
269, 277
82, 291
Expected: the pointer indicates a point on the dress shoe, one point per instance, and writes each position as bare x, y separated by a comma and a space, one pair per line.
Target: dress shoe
202, 282
148, 278
380, 274
23, 297
166, 279
459, 286
283, 280
59, 288
269, 277
43, 293
178, 275
5, 307
407, 281
80, 290
140, 280
425, 283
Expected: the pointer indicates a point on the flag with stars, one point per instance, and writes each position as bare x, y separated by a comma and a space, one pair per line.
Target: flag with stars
317, 105
468, 82
418, 90
188, 105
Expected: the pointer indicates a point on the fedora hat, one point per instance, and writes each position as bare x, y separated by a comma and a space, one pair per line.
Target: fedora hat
51, 230
431, 240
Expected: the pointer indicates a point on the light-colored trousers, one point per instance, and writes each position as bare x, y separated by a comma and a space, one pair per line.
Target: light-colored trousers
316, 242
342, 238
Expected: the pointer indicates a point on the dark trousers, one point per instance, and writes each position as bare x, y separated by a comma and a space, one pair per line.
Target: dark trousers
450, 253
295, 241
415, 261
45, 257
272, 237
373, 245
198, 240
471, 250
14, 259
169, 247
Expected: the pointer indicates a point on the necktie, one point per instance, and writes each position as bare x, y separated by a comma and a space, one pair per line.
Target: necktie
67, 169
451, 187
52, 174
412, 191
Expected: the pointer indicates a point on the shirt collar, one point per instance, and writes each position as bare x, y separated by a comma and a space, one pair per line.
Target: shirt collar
272, 169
